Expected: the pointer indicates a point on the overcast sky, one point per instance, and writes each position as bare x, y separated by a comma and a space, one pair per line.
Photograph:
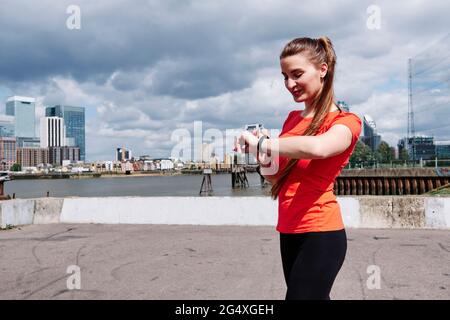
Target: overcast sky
145, 68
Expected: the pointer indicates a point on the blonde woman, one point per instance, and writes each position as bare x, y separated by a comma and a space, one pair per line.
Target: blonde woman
313, 147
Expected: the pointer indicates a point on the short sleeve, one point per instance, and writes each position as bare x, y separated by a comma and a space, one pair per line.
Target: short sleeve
289, 117
353, 122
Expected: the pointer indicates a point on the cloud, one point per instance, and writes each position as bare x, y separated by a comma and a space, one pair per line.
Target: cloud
144, 69
388, 110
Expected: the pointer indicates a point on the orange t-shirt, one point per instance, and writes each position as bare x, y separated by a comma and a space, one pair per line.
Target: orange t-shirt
306, 202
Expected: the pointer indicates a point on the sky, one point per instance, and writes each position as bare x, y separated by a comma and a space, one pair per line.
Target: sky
144, 69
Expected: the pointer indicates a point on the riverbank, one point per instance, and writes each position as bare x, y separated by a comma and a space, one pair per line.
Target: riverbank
407, 172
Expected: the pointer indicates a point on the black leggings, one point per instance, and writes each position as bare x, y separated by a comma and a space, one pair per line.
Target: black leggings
311, 262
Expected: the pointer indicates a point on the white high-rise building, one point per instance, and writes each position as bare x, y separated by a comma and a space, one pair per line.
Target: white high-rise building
53, 132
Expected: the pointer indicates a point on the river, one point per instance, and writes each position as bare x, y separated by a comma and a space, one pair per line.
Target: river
177, 185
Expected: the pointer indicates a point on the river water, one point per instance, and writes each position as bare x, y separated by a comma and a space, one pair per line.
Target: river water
179, 185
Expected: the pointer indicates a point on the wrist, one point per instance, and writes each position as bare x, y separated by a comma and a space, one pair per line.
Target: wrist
265, 146
261, 148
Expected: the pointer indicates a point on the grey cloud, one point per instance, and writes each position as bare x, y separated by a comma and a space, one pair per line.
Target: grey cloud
112, 38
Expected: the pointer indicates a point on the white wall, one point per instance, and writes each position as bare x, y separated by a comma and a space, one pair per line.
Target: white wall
357, 212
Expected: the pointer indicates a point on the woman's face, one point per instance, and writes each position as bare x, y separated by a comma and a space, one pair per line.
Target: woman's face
302, 78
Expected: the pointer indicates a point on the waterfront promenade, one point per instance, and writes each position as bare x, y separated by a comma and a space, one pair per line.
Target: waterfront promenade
208, 262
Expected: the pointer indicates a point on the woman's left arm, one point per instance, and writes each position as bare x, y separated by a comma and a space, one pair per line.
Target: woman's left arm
331, 143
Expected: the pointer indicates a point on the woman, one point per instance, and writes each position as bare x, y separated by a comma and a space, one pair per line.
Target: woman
313, 147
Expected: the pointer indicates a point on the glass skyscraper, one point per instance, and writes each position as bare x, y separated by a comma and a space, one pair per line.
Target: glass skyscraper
23, 110
370, 138
74, 119
343, 105
6, 126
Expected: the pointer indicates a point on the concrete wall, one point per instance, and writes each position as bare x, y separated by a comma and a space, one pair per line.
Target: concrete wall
357, 212
16, 212
171, 210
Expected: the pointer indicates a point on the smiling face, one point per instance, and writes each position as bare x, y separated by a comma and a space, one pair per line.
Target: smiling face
302, 78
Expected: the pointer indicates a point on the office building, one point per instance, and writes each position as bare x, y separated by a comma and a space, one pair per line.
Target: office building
442, 149
58, 154
7, 124
32, 157
74, 120
123, 154
370, 137
7, 152
419, 147
53, 132
23, 110
23, 142
344, 106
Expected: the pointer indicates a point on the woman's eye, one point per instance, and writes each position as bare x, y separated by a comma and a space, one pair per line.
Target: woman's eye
296, 76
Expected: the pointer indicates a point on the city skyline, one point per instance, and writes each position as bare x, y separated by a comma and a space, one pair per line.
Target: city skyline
138, 87
59, 141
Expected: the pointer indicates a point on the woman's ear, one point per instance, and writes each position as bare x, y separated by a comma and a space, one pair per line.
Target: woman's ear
323, 70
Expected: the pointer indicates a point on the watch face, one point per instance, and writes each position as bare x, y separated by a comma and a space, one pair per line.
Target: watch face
251, 127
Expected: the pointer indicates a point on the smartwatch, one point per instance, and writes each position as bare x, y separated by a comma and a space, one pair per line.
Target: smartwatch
258, 148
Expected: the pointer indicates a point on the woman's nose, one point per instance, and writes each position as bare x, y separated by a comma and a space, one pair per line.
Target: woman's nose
290, 83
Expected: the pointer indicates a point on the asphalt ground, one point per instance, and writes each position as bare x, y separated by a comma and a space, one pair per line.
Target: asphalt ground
162, 262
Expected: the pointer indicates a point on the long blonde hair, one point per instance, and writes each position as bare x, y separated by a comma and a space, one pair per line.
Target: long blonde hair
318, 51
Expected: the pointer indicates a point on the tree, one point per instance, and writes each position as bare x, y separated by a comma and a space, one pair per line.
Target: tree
16, 167
384, 152
361, 154
403, 155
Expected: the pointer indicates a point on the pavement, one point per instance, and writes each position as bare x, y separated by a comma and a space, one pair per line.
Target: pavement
209, 262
